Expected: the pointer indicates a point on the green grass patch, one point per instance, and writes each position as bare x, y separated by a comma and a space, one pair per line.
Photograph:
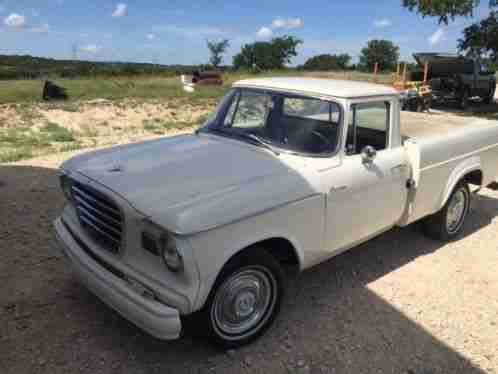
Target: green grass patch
57, 133
17, 154
170, 125
23, 142
153, 126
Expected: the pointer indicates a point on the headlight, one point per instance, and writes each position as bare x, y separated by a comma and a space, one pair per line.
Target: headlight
66, 185
159, 242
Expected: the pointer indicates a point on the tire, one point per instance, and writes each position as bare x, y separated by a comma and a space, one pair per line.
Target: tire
448, 223
464, 98
244, 301
491, 96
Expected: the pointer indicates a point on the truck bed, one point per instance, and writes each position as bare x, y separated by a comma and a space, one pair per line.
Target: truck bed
422, 125
441, 147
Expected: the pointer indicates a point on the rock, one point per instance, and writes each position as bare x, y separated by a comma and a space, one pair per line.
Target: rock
231, 353
248, 361
300, 363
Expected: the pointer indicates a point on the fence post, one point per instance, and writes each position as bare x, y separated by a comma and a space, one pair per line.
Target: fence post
376, 71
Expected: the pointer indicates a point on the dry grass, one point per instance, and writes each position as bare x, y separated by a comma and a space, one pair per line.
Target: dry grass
30, 130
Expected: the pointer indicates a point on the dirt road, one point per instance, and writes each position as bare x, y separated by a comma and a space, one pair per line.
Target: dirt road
398, 304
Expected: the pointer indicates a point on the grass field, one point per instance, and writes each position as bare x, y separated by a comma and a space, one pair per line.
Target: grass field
23, 91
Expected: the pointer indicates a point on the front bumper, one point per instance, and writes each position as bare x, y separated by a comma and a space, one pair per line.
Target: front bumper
159, 320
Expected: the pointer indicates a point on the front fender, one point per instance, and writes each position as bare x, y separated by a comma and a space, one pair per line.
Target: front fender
463, 168
302, 223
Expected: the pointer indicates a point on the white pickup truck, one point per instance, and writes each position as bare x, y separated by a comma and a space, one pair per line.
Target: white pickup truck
286, 172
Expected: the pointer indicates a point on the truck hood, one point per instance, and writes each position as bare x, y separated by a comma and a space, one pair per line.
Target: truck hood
193, 183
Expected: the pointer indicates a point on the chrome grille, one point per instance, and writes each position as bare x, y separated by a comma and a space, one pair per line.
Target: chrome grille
99, 215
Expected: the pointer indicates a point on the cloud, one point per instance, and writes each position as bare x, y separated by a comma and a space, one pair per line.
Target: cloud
120, 11
287, 23
15, 21
437, 37
91, 48
382, 22
44, 28
107, 35
84, 35
151, 36
265, 32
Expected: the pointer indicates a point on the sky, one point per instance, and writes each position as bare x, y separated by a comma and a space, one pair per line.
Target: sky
175, 32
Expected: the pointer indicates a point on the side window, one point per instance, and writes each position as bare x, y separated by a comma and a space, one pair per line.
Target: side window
368, 125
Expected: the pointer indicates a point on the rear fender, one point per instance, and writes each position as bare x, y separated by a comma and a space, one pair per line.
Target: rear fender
461, 170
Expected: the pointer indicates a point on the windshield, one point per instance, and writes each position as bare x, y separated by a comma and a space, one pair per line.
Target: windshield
295, 123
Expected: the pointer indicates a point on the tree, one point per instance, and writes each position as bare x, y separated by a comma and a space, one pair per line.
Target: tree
481, 38
274, 54
327, 62
381, 51
444, 9
217, 49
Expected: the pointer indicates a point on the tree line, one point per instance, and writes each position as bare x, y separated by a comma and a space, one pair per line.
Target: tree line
478, 40
29, 67
278, 52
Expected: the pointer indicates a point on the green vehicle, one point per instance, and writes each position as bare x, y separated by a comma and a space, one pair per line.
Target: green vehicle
455, 78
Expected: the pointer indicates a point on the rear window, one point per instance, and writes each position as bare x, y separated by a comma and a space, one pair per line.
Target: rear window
310, 109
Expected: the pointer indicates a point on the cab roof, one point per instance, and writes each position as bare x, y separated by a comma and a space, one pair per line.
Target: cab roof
317, 86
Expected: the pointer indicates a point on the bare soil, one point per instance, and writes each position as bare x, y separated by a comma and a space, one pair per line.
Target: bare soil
400, 303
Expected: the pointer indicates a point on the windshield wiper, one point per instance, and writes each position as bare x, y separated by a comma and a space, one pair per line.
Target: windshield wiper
249, 136
260, 141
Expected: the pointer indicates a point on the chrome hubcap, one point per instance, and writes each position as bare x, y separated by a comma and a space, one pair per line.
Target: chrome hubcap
244, 302
456, 210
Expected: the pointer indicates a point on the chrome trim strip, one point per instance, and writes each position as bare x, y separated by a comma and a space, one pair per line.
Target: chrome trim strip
457, 158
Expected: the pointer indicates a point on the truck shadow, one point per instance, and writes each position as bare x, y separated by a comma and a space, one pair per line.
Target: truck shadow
332, 320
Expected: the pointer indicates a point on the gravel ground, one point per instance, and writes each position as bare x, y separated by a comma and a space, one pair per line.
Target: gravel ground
398, 304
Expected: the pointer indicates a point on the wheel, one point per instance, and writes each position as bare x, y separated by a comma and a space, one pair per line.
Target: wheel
464, 99
491, 96
245, 299
446, 224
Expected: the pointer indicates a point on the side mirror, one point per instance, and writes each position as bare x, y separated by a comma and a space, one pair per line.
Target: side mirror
368, 154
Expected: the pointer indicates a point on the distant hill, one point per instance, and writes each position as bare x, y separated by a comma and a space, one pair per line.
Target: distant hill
29, 67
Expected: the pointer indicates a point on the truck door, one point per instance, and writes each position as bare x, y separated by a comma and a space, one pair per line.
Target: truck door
368, 191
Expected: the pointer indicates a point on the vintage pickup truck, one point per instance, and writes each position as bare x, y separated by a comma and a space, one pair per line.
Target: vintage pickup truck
288, 172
